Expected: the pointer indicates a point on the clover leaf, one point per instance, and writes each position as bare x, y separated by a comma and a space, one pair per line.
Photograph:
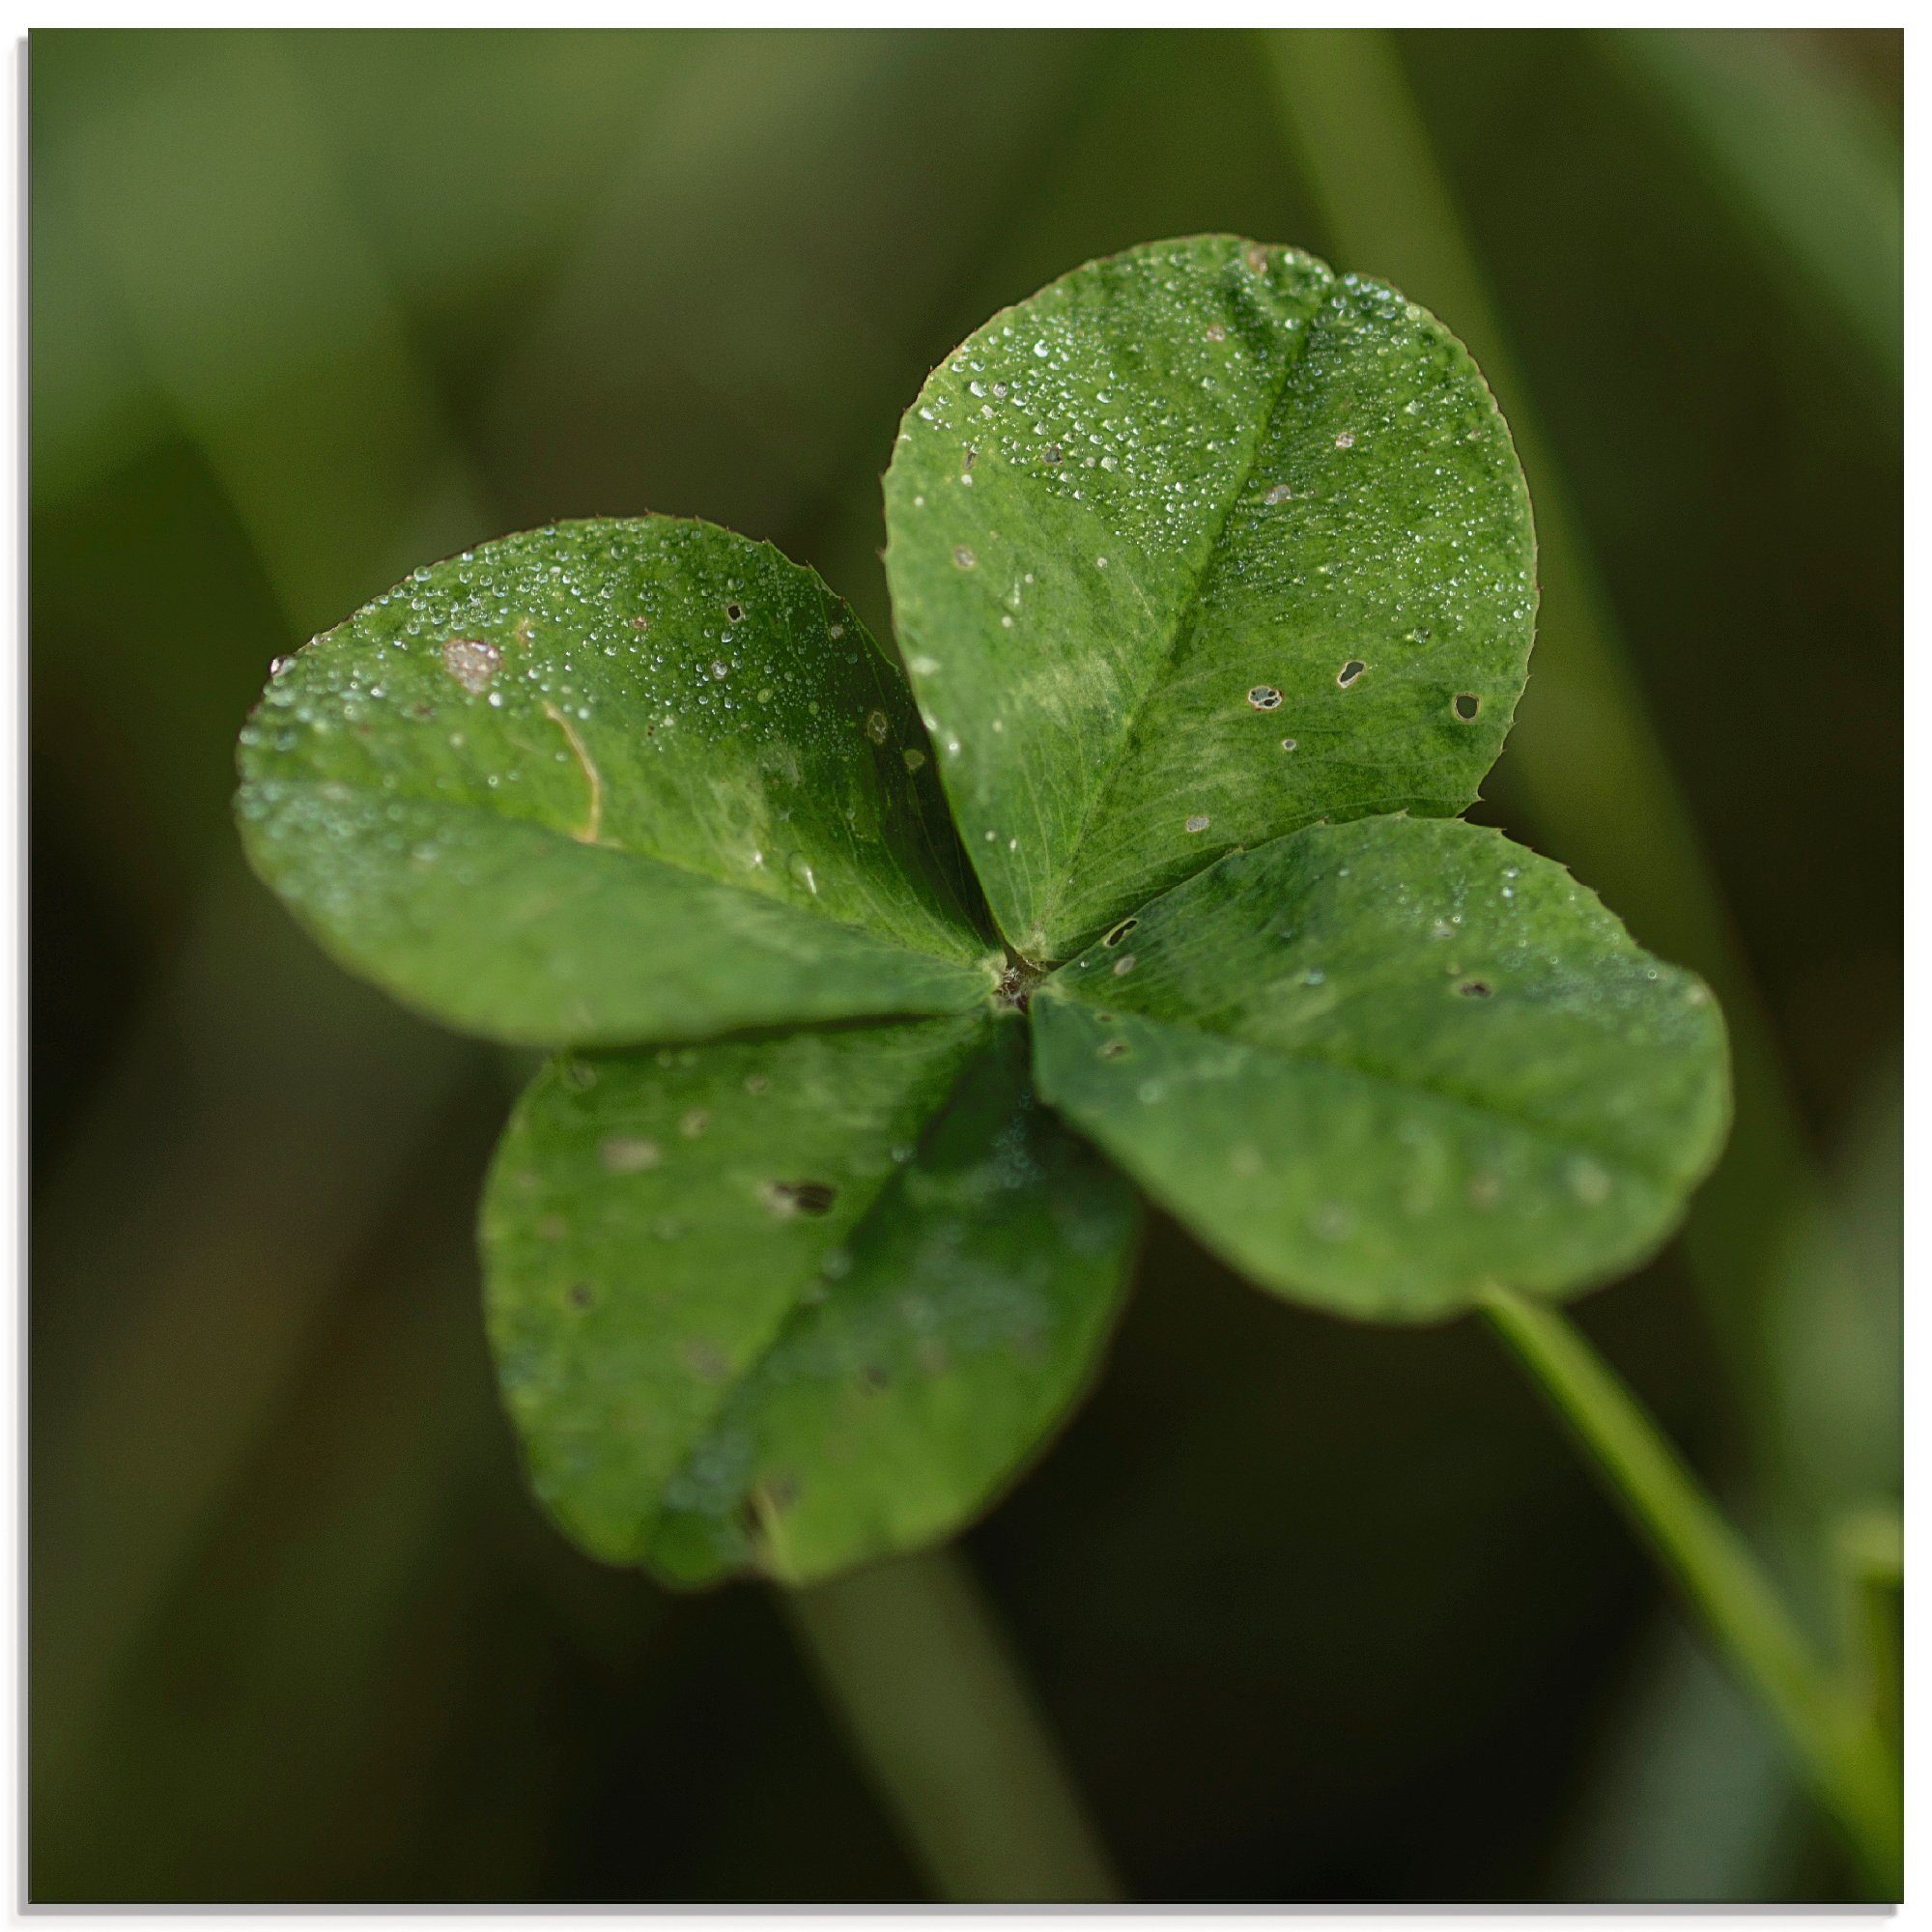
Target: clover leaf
786, 1302
1383, 1065
1199, 546
1214, 578
609, 782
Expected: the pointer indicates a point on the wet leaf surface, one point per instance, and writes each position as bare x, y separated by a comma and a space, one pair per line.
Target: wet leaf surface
609, 782
1381, 1064
795, 1303
1199, 545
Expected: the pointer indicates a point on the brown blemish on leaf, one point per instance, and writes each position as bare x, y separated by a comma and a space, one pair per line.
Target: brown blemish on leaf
472, 662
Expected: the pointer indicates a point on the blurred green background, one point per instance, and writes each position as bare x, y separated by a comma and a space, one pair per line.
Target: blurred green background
1318, 1611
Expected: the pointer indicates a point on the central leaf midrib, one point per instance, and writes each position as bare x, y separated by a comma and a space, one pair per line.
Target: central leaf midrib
1446, 1096
470, 807
798, 1310
1184, 616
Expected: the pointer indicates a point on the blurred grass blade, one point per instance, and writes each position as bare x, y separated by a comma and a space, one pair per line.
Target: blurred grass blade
234, 1232
1586, 753
913, 1661
228, 1264
1870, 1546
382, 484
1811, 168
1688, 1796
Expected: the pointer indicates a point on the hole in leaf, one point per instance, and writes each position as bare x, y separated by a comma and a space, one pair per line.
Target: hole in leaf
964, 557
1467, 704
1120, 932
1115, 1049
787, 1198
1474, 989
1265, 697
1350, 673
734, 611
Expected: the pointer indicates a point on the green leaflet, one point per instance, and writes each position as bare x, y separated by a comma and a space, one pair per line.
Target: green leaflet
1382, 1064
793, 1303
1199, 545
609, 782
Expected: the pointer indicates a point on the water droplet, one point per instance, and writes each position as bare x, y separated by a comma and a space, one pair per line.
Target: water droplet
1280, 493
964, 557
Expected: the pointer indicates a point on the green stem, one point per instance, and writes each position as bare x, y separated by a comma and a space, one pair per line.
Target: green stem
927, 1687
1831, 1736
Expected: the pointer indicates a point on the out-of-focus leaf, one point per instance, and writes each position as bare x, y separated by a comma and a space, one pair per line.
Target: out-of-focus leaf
612, 780
1201, 544
1381, 1064
793, 1303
